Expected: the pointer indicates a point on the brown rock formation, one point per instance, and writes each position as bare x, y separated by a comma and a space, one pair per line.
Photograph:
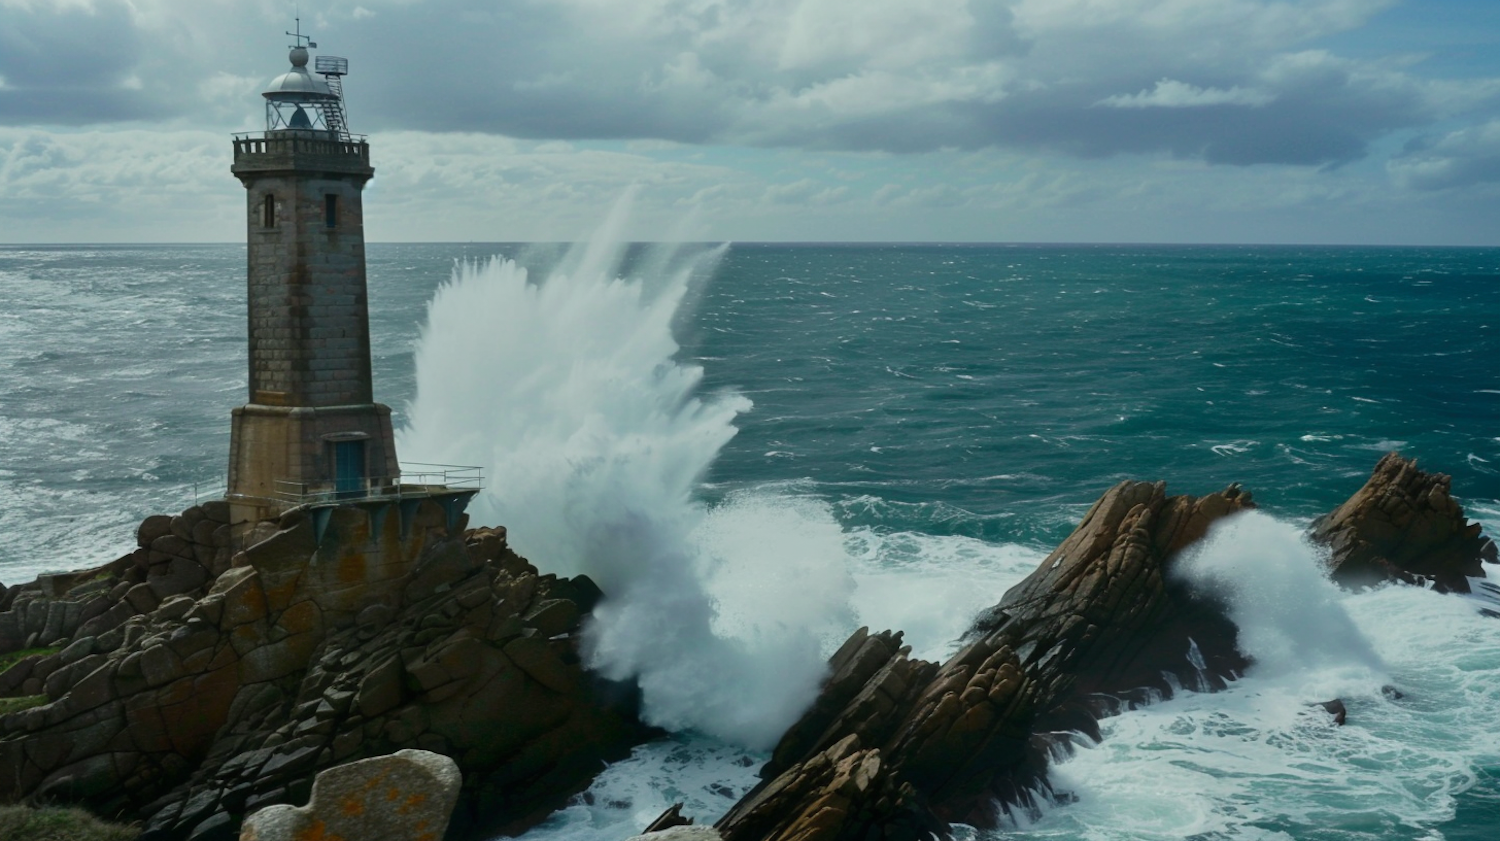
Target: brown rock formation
176, 556
895, 748
324, 643
1403, 526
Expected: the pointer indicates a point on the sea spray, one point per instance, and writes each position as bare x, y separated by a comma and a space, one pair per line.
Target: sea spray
1259, 760
593, 438
1290, 617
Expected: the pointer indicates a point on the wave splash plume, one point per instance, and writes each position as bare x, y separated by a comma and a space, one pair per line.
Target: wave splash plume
1291, 618
593, 438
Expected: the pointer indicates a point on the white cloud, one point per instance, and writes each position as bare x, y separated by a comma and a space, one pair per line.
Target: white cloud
721, 103
1459, 159
888, 75
1170, 93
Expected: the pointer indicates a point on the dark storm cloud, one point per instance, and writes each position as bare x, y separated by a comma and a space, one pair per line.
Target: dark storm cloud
832, 75
1224, 81
71, 65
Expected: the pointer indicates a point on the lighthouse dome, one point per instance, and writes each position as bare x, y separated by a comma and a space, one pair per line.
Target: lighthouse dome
298, 85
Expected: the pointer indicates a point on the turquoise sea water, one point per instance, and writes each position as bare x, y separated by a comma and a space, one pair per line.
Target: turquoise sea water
940, 416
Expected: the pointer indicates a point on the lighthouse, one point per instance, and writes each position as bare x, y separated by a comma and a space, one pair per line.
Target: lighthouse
310, 430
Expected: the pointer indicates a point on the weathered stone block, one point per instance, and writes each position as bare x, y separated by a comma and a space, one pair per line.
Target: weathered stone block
151, 528
535, 657
159, 664
216, 510
553, 617
173, 546
203, 532
180, 575
380, 691
407, 796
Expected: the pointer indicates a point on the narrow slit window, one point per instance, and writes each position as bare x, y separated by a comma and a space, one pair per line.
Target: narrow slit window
331, 210
268, 211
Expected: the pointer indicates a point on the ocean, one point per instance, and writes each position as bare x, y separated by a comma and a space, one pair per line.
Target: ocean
757, 448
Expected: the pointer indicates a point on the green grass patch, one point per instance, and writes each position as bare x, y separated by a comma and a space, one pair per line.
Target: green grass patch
15, 705
23, 823
8, 660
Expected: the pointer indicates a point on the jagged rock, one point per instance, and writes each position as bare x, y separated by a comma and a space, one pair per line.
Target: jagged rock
842, 793
1336, 709
406, 796
187, 713
1403, 526
1099, 622
668, 819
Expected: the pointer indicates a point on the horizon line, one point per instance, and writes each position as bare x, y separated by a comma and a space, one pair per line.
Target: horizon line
799, 243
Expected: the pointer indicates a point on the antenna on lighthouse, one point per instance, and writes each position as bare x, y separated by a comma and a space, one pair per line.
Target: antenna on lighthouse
299, 37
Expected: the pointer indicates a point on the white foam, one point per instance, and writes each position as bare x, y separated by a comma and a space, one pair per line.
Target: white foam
930, 586
1290, 618
707, 777
757, 546
593, 439
1257, 760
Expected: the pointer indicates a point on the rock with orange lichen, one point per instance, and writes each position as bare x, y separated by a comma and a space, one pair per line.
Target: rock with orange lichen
405, 796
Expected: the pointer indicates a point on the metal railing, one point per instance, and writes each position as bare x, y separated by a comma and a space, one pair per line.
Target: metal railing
294, 142
416, 480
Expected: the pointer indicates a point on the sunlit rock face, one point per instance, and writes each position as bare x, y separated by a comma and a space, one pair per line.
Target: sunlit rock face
1403, 526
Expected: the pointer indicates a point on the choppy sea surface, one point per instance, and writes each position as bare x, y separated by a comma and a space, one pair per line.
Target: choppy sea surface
917, 426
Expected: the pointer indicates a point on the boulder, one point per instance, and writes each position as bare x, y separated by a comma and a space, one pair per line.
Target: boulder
405, 796
151, 528
1403, 526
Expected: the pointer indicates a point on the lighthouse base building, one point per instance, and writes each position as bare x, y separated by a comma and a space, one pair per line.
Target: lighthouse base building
311, 427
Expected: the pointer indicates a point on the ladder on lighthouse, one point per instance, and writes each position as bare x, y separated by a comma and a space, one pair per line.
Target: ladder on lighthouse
333, 68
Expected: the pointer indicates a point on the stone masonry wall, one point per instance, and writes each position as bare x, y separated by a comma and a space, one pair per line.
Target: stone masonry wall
309, 323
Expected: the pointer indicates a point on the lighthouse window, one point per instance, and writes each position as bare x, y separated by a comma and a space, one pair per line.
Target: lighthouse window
268, 211
331, 210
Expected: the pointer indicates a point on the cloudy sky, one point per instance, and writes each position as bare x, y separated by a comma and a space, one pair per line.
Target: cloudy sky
1323, 121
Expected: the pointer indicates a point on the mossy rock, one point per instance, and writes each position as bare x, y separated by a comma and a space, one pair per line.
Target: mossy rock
15, 705
14, 657
53, 824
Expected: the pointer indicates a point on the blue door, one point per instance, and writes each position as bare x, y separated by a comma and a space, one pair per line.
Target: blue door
349, 468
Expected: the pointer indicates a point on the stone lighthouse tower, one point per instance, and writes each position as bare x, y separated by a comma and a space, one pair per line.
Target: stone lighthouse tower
311, 430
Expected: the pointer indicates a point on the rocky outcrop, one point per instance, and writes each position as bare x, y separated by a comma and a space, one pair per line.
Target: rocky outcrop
405, 796
175, 556
331, 639
1403, 526
895, 748
841, 793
